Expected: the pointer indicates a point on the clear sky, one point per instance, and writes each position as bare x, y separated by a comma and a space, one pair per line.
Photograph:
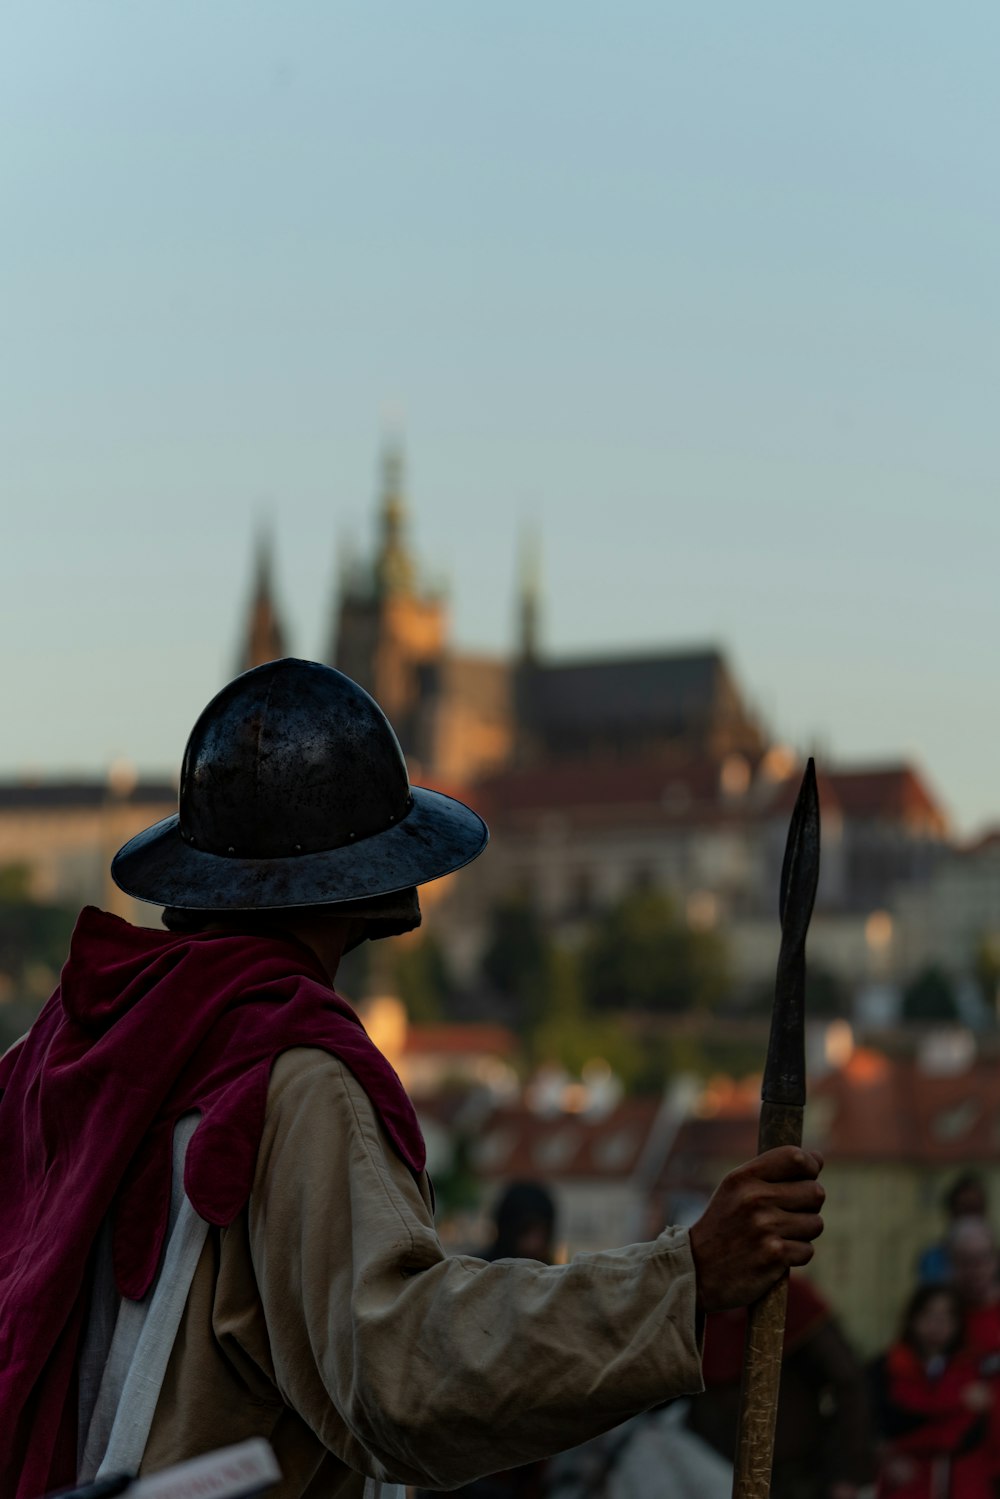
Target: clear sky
710, 292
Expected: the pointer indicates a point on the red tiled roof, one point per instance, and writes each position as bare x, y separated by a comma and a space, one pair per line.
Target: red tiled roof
688, 791
460, 1040
885, 1110
785, 793
874, 1110
702, 1145
604, 783
515, 1142
895, 791
892, 793
984, 844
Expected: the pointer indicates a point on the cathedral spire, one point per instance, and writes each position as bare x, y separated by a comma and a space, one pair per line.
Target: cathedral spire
394, 569
265, 635
529, 594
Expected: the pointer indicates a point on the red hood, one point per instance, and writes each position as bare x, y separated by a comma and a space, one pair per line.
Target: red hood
113, 966
144, 1027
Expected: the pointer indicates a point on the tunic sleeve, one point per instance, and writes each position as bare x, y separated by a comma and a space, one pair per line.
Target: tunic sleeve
421, 1368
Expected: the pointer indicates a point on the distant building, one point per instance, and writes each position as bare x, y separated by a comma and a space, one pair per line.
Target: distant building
884, 833
65, 833
953, 917
887, 828
599, 1166
678, 706
577, 836
438, 1058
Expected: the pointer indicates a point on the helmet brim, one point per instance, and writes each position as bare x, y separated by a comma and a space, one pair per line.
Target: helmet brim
437, 836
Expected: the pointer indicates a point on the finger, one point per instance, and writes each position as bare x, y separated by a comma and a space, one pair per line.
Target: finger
796, 1253
803, 1226
786, 1163
795, 1197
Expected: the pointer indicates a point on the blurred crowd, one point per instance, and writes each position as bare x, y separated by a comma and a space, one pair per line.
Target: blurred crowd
936, 1390
921, 1421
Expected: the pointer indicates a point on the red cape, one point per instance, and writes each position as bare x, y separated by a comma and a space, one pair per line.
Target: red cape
145, 1026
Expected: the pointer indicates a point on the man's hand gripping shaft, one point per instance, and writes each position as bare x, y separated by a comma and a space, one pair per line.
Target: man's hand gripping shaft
760, 1222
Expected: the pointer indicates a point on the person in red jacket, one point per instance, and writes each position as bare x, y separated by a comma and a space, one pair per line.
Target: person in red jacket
975, 1274
933, 1407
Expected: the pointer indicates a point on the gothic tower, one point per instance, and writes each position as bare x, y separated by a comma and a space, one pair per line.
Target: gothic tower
390, 632
529, 597
264, 639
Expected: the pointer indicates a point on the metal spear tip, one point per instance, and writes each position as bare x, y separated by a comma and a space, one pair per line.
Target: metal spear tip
800, 867
784, 1071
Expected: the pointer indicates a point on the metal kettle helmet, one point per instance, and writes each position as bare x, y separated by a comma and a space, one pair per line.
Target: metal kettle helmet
294, 792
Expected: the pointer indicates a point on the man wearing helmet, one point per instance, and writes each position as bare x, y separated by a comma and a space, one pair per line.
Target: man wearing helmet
215, 1221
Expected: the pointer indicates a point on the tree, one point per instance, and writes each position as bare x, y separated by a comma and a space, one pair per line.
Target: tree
987, 971
643, 956
930, 997
423, 979
34, 939
827, 996
34, 936
517, 960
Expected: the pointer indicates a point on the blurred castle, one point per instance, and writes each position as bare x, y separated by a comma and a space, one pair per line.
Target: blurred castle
462, 717
598, 776
603, 775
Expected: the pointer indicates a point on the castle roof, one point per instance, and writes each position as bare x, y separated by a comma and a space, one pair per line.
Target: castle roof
679, 791
631, 690
580, 708
77, 795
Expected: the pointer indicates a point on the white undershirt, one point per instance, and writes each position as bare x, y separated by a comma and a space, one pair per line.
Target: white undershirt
127, 1344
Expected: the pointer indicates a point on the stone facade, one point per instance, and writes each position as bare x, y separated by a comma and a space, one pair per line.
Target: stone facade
64, 834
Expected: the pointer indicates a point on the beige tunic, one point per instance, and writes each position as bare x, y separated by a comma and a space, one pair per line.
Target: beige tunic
328, 1319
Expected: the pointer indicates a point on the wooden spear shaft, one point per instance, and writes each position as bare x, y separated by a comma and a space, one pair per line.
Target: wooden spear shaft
779, 1125
782, 1108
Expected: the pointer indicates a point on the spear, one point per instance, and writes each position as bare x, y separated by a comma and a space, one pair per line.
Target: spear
783, 1098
